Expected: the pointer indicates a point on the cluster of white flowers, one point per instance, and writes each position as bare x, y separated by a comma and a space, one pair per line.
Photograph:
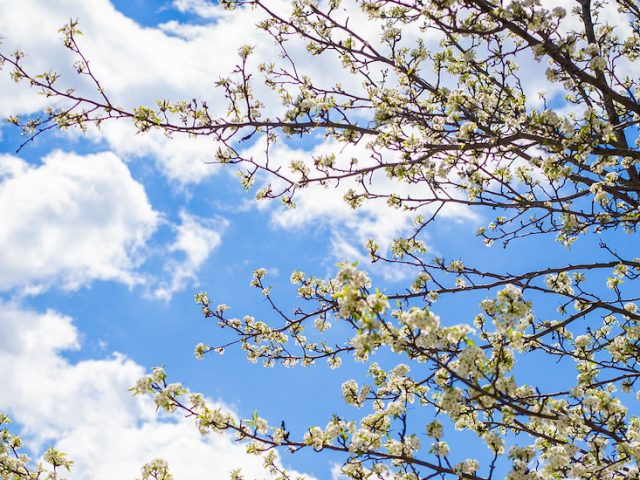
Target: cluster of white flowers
559, 282
354, 396
17, 465
315, 438
157, 469
470, 363
511, 316
421, 319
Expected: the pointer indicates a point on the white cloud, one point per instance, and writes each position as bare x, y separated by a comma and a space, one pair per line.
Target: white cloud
196, 238
71, 220
318, 205
202, 8
325, 205
75, 219
85, 408
181, 158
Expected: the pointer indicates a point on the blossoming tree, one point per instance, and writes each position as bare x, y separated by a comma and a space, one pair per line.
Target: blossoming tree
447, 121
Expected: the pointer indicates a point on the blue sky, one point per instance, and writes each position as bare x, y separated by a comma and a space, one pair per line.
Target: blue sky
109, 236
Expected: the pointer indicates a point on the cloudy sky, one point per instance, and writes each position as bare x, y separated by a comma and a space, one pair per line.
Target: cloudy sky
106, 237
